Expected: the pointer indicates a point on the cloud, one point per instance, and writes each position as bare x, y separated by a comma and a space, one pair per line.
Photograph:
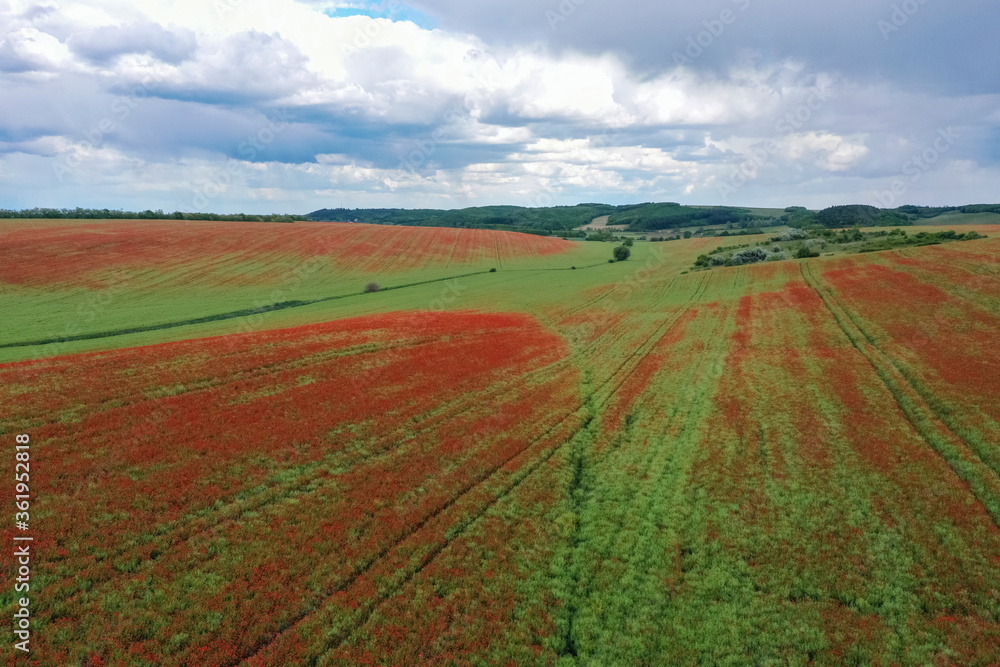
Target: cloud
932, 43
29, 50
106, 43
436, 102
242, 68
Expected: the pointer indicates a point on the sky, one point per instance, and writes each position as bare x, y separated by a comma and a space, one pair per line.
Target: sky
288, 106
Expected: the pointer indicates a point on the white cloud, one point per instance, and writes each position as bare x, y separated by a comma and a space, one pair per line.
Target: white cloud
30, 50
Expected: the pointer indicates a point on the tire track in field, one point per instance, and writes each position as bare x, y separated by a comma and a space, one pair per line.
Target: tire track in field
582, 444
985, 302
370, 609
429, 558
254, 373
915, 405
615, 287
451, 253
644, 348
486, 508
659, 456
674, 476
588, 405
264, 494
462, 494
934, 404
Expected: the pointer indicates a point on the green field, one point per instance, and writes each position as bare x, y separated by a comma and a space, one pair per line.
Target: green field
198, 288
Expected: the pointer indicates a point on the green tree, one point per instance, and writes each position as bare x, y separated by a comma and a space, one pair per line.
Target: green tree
622, 253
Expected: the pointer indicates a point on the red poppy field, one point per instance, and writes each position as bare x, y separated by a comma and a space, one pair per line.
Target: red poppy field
786, 463
85, 253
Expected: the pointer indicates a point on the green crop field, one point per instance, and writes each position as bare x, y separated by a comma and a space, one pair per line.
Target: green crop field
337, 444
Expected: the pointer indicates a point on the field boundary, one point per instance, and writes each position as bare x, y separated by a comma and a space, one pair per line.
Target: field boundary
248, 312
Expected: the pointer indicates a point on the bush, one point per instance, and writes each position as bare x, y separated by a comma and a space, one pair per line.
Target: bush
793, 234
493, 270
602, 235
628, 243
805, 252
749, 256
622, 253
371, 288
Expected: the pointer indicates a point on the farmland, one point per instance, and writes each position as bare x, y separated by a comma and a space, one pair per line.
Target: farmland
562, 462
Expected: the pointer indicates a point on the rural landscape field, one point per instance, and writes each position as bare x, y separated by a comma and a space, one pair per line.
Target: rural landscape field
505, 333
564, 461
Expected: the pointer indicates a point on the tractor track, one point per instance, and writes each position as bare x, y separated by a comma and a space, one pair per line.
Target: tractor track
636, 357
915, 404
264, 495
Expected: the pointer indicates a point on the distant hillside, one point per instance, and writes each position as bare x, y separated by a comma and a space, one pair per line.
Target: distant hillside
504, 218
839, 217
650, 217
559, 219
654, 217
117, 214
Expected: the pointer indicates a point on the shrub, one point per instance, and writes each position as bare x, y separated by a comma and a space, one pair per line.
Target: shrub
793, 234
622, 253
493, 270
806, 252
749, 256
371, 288
628, 243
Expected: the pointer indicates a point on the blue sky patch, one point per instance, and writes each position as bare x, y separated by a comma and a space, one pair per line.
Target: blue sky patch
395, 11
